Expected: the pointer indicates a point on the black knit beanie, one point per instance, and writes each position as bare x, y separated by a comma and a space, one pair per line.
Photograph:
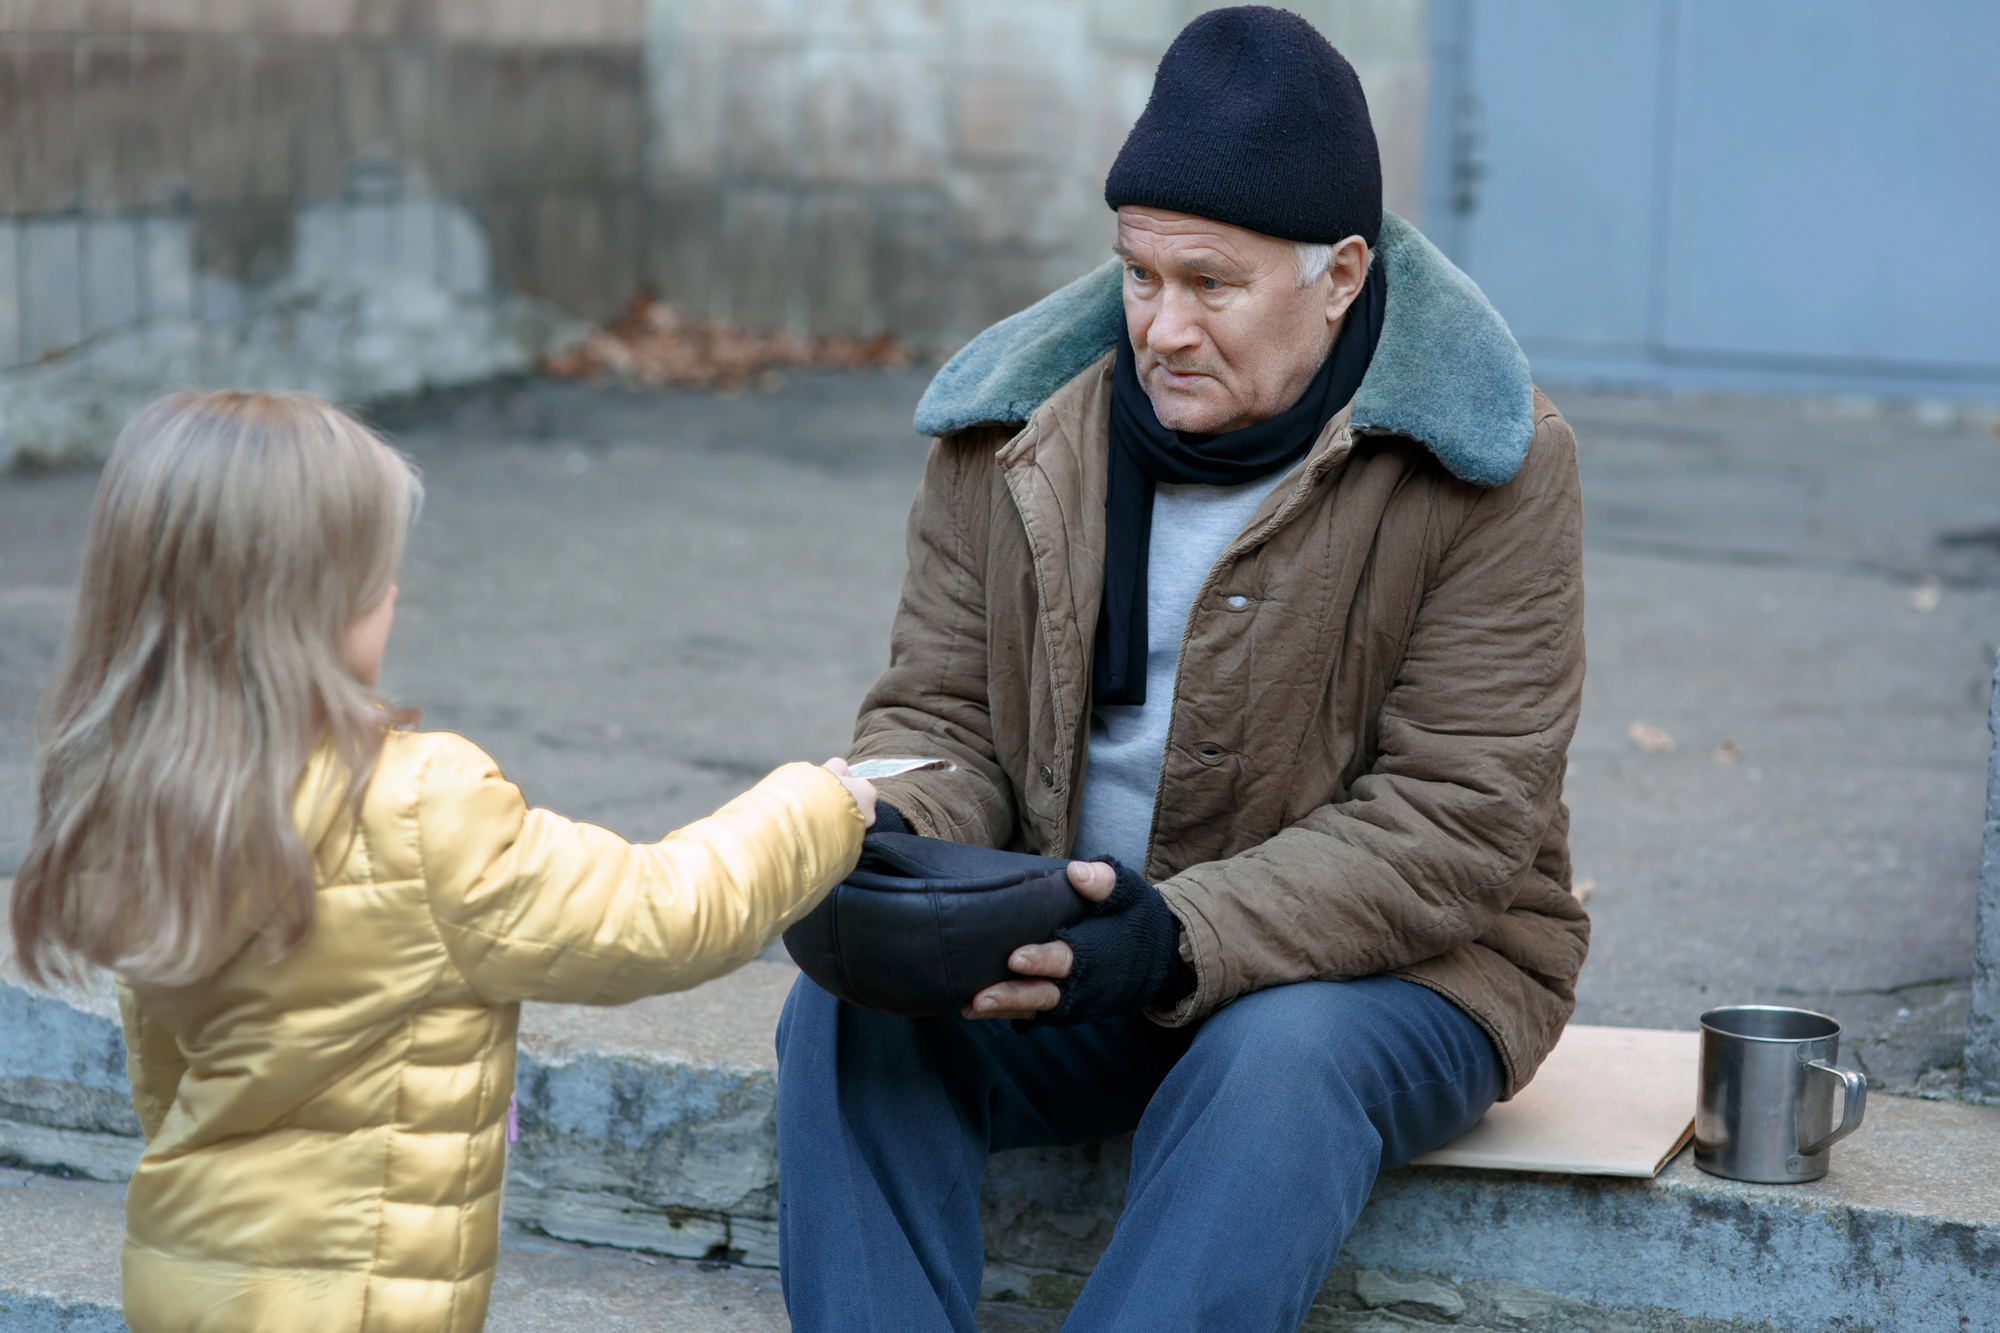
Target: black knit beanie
1256, 120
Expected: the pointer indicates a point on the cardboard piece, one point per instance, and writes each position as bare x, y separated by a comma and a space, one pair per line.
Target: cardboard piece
1607, 1102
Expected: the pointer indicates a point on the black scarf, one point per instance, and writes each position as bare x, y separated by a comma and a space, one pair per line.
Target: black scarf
1144, 452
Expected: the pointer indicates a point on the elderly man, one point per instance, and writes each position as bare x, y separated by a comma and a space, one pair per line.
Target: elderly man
1248, 569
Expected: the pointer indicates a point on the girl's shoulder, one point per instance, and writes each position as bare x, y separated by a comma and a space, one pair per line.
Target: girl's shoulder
422, 756
428, 792
419, 769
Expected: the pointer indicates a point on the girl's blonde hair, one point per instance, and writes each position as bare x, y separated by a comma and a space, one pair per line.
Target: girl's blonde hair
234, 539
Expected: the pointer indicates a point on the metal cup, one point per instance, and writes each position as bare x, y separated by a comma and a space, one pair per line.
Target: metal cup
1765, 1109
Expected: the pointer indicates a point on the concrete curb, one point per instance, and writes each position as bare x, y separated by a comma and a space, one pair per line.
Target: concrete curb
1982, 1023
654, 1127
651, 1128
38, 1314
71, 1286
64, 1099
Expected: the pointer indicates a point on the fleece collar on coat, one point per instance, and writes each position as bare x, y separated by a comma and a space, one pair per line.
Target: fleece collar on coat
1446, 373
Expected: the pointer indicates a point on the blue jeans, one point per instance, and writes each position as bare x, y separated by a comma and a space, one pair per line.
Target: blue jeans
1260, 1133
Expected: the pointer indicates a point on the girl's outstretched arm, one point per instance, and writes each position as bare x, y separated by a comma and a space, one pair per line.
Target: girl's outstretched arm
532, 906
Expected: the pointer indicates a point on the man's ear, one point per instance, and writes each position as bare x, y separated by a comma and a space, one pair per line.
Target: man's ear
1349, 270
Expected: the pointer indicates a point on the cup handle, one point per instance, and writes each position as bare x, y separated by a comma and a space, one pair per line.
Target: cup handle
1853, 1106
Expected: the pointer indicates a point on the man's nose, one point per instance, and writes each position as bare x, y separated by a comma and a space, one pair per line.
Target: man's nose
1176, 325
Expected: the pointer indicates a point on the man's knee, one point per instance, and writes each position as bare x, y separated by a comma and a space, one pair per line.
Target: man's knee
1354, 1034
810, 1014
1286, 1029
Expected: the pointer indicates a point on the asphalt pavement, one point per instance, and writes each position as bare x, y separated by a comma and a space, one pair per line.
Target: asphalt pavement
642, 601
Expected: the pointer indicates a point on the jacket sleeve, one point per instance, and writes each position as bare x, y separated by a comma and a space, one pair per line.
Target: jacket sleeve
933, 699
1434, 841
532, 906
153, 1063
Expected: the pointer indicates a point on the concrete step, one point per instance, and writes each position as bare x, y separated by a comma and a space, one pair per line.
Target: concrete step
59, 1242
650, 1128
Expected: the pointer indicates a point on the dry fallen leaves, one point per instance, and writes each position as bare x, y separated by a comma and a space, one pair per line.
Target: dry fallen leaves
652, 343
1645, 736
1583, 888
1727, 753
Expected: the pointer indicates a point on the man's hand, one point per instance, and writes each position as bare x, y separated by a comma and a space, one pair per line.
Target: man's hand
1025, 999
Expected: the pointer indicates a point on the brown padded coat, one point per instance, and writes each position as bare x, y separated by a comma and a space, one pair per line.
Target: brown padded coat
1365, 764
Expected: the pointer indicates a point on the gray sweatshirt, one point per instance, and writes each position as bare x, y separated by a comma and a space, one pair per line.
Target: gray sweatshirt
1191, 527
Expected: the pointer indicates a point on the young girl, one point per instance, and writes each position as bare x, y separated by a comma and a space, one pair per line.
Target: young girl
324, 926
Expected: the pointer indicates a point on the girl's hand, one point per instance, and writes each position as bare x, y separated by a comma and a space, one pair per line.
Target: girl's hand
861, 789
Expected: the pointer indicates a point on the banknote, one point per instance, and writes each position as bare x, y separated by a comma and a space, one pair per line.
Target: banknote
872, 769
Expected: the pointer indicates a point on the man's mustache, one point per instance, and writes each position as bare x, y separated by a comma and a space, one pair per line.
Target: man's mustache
1151, 361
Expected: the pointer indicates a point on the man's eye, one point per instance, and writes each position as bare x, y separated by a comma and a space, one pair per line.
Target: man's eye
1140, 274
1210, 285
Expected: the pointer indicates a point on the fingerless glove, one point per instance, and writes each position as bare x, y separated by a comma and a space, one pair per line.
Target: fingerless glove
888, 819
1127, 956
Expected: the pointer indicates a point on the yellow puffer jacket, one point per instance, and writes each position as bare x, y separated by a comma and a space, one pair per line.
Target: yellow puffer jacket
326, 1132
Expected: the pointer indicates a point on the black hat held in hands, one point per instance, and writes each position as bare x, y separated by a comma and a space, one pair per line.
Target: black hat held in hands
921, 926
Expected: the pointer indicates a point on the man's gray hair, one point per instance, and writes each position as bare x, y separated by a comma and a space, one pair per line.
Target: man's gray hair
1313, 260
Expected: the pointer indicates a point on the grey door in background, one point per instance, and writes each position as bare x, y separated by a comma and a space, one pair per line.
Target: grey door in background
1738, 194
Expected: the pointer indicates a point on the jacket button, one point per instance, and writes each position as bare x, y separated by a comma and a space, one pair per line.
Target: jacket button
1048, 776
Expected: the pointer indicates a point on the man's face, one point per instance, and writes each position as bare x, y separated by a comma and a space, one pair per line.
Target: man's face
1222, 334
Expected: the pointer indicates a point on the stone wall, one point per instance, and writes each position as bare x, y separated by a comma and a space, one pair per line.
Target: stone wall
927, 166
920, 166
366, 198
354, 198
162, 158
